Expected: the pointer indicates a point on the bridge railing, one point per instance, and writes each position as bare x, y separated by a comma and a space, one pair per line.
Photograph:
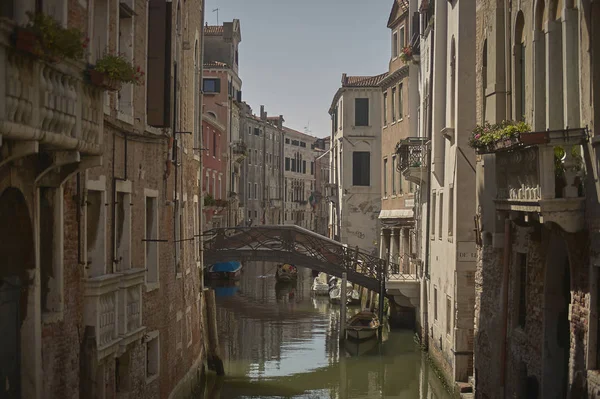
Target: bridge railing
307, 244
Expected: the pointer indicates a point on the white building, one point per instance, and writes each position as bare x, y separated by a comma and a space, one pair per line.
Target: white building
447, 245
299, 178
355, 162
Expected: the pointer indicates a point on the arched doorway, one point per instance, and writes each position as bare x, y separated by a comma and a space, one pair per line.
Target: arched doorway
17, 260
557, 298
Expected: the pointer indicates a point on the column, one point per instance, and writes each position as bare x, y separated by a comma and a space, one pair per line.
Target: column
394, 250
402, 255
406, 245
382, 244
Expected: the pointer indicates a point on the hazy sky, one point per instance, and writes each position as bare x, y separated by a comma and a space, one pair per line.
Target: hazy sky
293, 53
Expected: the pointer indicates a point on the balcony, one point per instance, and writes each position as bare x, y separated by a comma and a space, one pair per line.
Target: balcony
540, 173
113, 306
47, 106
412, 159
239, 150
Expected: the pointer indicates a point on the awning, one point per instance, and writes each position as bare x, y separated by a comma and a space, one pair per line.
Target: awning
225, 267
396, 214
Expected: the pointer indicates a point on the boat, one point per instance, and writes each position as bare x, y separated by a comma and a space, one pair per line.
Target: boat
225, 271
319, 285
361, 348
335, 293
362, 326
286, 273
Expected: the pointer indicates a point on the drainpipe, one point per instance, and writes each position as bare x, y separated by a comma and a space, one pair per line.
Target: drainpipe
200, 153
506, 264
508, 57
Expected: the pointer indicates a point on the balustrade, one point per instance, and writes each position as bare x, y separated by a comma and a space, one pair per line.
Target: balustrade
49, 103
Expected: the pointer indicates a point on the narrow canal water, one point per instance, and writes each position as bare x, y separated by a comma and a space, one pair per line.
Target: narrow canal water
278, 341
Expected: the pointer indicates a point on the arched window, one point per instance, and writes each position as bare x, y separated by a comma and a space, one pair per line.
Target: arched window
212, 114
519, 68
197, 111
539, 76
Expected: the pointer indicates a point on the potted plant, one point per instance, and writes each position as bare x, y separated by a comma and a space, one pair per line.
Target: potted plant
112, 70
501, 135
407, 54
46, 38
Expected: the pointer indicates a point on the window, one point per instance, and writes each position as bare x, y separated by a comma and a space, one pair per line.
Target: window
451, 211
394, 173
393, 104
385, 175
402, 38
312, 168
249, 130
448, 315
519, 65
293, 164
385, 99
395, 45
400, 102
295, 142
122, 372
435, 301
302, 144
249, 190
126, 46
441, 218
452, 82
152, 356
256, 157
361, 168
214, 144
361, 112
304, 167
210, 85
287, 164
151, 225
522, 290
255, 191
433, 206
256, 131
122, 235
287, 141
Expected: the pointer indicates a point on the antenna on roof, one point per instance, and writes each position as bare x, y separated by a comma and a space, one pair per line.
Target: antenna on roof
217, 10
307, 128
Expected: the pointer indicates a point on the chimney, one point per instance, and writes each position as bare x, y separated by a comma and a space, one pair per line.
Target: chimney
280, 122
263, 114
344, 79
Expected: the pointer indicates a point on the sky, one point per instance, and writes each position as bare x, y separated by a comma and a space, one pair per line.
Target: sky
293, 53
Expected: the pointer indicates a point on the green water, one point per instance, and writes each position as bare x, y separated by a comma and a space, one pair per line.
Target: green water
278, 341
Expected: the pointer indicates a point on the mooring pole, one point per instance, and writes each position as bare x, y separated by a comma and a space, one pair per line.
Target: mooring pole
382, 276
343, 307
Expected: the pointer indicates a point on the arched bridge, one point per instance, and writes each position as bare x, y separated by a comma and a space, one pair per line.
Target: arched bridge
301, 247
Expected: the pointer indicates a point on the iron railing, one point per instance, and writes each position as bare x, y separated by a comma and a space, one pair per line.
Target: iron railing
411, 153
302, 247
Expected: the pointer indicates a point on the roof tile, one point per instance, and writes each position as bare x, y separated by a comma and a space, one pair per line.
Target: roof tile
213, 30
363, 81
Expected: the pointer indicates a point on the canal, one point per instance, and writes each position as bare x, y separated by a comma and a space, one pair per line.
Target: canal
278, 341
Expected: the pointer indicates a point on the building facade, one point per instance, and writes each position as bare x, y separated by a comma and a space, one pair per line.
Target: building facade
355, 170
397, 192
441, 160
299, 178
221, 86
99, 205
215, 195
538, 201
320, 196
261, 185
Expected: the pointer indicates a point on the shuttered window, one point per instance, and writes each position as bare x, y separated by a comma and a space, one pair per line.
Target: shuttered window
158, 104
361, 168
211, 85
361, 112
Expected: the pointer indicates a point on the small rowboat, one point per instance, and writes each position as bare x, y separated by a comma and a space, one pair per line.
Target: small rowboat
286, 273
319, 285
362, 326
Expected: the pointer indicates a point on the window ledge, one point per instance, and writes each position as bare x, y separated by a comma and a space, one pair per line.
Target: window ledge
123, 117
188, 271
152, 286
432, 237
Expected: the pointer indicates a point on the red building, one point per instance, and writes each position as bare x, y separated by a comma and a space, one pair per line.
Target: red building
214, 172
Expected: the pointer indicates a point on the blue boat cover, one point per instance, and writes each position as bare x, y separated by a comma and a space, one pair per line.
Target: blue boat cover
225, 267
225, 291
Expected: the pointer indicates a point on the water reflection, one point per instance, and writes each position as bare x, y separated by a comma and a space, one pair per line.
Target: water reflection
279, 341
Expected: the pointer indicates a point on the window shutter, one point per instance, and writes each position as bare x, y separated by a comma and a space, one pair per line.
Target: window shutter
361, 112
217, 85
239, 96
158, 102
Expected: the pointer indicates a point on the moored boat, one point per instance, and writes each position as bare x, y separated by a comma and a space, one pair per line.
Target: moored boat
362, 326
225, 271
286, 273
319, 285
335, 292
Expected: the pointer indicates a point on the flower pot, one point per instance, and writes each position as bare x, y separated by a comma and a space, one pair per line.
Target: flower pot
534, 138
102, 80
26, 41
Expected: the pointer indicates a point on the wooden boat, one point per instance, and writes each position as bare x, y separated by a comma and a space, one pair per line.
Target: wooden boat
319, 285
225, 271
286, 273
362, 326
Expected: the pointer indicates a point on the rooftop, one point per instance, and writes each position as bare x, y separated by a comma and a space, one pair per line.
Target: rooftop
362, 81
213, 30
215, 64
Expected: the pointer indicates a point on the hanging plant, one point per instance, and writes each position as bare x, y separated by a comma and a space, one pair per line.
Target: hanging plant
113, 70
407, 54
46, 38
